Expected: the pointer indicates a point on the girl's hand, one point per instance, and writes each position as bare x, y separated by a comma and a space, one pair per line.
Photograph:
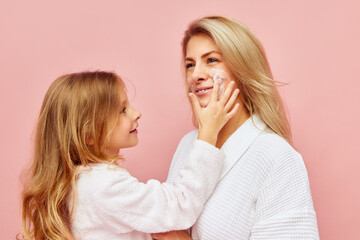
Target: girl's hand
173, 235
215, 115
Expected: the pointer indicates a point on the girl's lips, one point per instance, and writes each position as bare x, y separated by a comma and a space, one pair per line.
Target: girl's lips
201, 92
135, 131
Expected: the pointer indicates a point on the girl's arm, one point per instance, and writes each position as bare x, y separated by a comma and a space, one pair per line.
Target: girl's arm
118, 202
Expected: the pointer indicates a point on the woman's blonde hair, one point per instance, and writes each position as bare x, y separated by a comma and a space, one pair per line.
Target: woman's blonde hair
245, 57
73, 129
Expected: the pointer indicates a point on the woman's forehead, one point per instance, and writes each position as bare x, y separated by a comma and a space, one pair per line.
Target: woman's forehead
200, 44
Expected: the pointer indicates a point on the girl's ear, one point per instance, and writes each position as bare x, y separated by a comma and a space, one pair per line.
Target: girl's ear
89, 141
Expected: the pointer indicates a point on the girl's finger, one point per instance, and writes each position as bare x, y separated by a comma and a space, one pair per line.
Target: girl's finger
232, 112
214, 93
194, 104
227, 93
232, 99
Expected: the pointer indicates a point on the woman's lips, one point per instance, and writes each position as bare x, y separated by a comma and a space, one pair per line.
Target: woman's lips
135, 131
202, 91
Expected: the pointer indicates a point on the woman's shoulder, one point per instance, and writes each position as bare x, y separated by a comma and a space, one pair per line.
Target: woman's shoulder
272, 142
188, 139
275, 158
190, 136
274, 149
181, 154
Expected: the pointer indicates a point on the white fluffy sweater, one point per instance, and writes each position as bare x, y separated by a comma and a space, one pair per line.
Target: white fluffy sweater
263, 193
111, 204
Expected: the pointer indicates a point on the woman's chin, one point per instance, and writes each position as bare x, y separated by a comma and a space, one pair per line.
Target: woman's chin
204, 103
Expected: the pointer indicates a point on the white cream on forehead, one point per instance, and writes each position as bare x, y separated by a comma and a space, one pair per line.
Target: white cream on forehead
218, 75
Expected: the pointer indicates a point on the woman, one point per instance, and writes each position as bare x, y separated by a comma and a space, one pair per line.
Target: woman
264, 189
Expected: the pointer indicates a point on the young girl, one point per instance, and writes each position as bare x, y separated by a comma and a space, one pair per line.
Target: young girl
75, 188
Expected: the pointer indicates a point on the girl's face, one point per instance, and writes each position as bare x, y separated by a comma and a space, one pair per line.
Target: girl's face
124, 134
202, 60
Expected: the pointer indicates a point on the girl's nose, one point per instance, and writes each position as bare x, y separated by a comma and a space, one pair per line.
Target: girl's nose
138, 115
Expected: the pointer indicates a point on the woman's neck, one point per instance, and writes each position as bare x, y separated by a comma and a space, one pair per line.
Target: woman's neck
232, 125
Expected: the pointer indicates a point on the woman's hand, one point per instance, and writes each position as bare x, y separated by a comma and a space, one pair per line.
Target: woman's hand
212, 118
173, 235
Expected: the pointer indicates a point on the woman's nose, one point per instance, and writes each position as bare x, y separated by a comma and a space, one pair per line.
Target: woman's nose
198, 75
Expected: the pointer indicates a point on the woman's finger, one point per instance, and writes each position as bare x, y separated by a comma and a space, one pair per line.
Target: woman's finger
158, 236
173, 235
214, 93
232, 99
155, 236
227, 93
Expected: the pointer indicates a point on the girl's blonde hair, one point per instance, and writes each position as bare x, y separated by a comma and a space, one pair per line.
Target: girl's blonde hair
73, 129
245, 57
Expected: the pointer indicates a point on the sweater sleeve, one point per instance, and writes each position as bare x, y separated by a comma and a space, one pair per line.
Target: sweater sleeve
124, 204
284, 208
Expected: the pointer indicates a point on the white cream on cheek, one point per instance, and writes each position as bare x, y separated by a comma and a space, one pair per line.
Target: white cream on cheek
218, 75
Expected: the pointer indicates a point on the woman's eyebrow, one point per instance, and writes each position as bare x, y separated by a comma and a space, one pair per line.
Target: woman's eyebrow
203, 56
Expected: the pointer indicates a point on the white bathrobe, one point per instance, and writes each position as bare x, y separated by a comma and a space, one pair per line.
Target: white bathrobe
111, 204
263, 193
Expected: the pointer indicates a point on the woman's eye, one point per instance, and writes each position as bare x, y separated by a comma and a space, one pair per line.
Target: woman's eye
123, 110
211, 60
189, 65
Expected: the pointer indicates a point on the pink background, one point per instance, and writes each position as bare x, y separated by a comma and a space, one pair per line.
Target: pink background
312, 45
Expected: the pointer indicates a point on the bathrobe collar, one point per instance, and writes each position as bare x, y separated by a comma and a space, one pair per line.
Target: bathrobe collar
240, 141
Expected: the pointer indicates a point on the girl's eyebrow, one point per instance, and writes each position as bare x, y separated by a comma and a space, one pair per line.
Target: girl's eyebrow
203, 56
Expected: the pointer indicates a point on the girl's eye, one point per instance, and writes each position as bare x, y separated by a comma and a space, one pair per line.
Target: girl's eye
123, 110
211, 60
189, 65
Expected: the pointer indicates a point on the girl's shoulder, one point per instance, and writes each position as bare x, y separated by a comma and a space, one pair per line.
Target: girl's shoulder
99, 168
100, 175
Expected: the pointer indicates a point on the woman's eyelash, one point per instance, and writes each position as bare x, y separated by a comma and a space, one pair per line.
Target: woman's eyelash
123, 110
211, 60
189, 65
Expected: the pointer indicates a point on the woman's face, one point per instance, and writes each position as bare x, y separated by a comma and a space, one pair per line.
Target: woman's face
204, 63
